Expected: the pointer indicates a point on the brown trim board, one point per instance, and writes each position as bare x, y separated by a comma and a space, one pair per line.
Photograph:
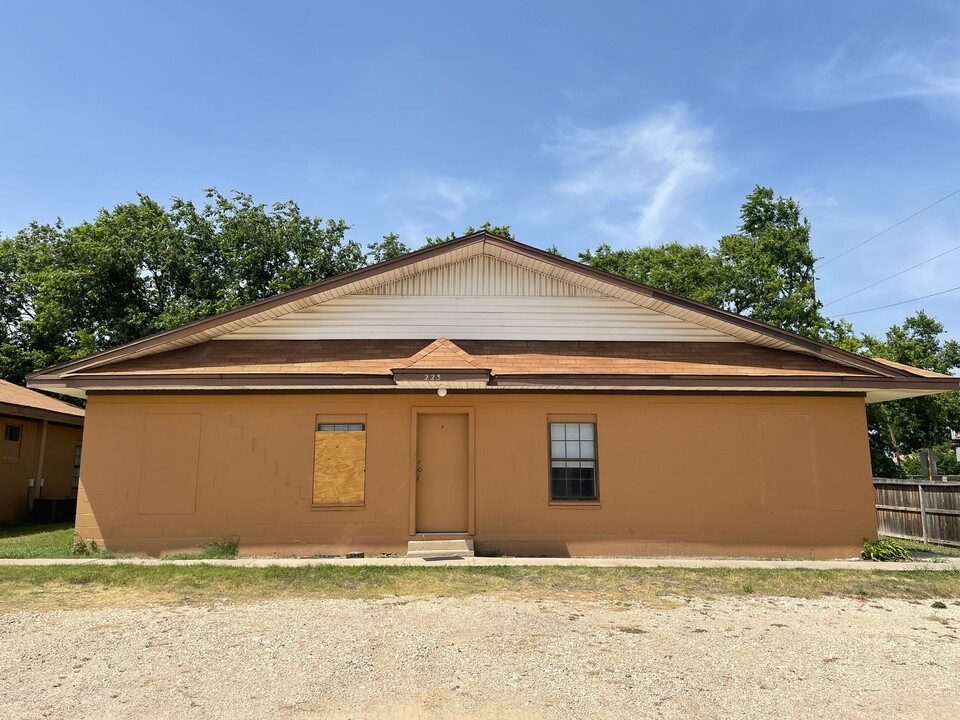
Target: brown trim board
211, 380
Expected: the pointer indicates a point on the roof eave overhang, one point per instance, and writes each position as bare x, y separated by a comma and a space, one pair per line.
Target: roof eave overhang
876, 389
32, 413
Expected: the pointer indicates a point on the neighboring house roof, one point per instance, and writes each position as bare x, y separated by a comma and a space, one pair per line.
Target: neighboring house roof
518, 318
911, 369
22, 402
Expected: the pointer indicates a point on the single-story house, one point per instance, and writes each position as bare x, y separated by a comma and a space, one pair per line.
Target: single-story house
39, 449
485, 390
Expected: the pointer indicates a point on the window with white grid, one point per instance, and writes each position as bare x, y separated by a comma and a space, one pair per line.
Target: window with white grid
573, 461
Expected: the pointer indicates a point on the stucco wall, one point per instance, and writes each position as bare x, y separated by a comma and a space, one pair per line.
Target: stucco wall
61, 444
761, 475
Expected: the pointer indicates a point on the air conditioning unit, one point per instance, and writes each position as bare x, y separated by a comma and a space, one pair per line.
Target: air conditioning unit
54, 510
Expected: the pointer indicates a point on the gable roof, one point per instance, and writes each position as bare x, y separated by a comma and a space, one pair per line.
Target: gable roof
440, 354
20, 401
552, 268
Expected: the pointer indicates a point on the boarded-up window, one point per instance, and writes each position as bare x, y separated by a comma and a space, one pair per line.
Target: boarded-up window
339, 463
171, 459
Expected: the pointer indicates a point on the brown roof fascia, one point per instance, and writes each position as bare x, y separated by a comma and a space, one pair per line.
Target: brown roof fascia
813, 346
254, 380
844, 381
173, 381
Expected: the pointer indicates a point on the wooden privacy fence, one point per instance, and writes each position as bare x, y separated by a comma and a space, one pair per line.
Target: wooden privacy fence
926, 511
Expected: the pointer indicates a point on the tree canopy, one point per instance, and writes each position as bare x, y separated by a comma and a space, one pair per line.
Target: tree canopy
499, 230
141, 268
766, 270
899, 429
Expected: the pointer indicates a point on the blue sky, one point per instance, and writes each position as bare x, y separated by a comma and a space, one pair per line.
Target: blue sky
577, 123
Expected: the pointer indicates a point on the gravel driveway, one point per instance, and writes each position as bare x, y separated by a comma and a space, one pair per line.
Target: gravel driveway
485, 657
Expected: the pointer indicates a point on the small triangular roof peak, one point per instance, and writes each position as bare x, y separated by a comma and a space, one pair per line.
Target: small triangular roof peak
524, 275
440, 354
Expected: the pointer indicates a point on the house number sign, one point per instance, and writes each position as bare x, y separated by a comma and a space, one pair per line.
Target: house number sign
432, 377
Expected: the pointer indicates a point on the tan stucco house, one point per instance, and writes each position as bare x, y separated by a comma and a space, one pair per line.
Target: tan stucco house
40, 448
486, 390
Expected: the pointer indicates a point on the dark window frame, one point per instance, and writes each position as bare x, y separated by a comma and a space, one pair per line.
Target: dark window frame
7, 433
75, 475
341, 427
574, 486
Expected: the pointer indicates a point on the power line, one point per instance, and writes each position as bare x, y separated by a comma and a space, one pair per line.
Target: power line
903, 302
883, 232
891, 277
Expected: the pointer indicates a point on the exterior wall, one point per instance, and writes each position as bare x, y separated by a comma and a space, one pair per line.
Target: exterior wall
61, 444
678, 474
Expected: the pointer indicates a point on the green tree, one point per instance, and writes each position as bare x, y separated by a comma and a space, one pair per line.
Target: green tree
688, 270
765, 271
387, 249
768, 266
498, 230
899, 429
141, 268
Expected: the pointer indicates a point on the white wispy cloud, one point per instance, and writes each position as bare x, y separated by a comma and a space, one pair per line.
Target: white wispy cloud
435, 196
862, 71
420, 204
634, 177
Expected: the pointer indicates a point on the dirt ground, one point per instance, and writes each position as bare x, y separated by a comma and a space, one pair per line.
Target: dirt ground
485, 657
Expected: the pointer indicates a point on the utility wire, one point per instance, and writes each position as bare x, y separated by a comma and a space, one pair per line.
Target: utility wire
902, 302
891, 277
883, 232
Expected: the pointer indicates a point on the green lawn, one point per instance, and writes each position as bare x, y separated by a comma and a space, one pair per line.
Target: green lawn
25, 540
36, 541
49, 587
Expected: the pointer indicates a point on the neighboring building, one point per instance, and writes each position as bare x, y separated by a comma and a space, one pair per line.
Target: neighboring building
570, 412
39, 449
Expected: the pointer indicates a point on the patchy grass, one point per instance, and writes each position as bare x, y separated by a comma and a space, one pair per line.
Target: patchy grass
915, 546
225, 549
36, 541
84, 586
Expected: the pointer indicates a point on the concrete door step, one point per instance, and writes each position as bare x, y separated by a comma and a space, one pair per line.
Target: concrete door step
461, 547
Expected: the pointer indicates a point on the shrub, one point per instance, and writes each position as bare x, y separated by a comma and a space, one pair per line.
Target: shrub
84, 548
885, 550
225, 549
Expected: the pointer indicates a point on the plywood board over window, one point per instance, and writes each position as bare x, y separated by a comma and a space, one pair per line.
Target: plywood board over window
339, 462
